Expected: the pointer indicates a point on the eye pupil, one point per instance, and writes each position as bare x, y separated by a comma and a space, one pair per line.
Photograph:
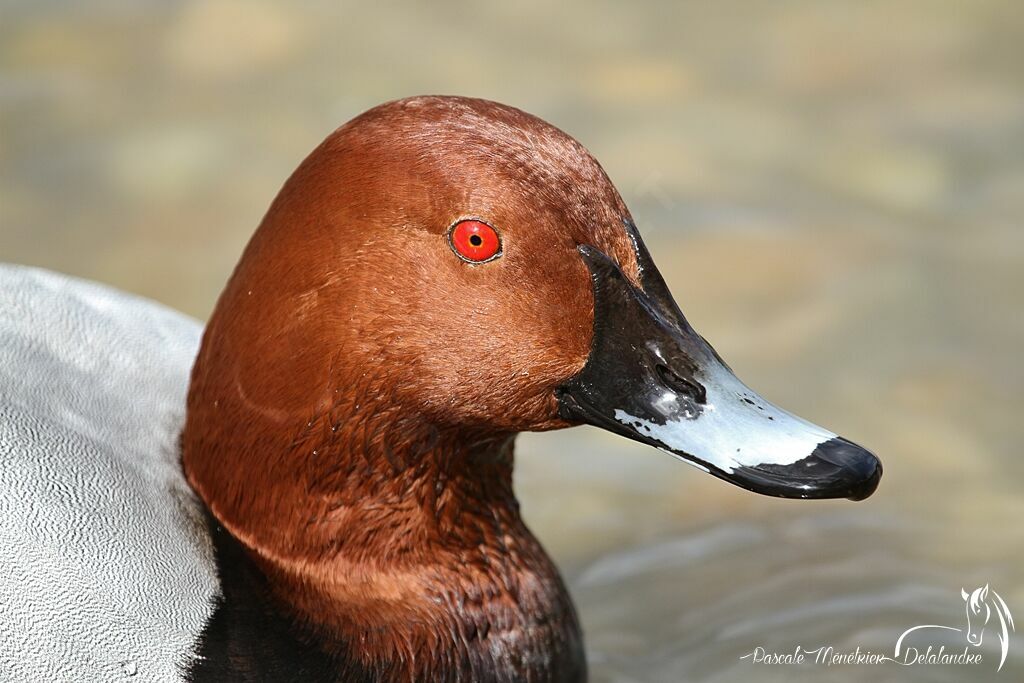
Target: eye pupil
474, 241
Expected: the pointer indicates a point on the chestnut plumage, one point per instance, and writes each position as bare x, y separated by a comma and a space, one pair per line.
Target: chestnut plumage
353, 408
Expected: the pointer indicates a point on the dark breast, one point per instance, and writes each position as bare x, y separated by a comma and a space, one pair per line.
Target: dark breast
251, 638
248, 638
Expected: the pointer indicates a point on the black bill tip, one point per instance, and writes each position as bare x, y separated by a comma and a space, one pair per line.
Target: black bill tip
837, 468
861, 468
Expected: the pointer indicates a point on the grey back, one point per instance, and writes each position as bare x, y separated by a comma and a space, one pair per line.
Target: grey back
106, 566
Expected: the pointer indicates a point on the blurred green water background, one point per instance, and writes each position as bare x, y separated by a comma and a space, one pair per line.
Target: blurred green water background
834, 191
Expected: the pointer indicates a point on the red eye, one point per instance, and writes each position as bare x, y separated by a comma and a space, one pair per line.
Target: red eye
474, 241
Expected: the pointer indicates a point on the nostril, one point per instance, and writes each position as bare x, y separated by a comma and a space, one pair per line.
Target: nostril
681, 385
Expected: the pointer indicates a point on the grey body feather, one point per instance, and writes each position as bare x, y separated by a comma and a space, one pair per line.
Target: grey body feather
106, 566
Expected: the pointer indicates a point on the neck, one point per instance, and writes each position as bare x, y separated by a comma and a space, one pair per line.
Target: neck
400, 545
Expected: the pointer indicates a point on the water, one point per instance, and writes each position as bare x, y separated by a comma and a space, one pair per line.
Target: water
833, 191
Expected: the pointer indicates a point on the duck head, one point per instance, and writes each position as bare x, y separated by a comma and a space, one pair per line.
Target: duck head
438, 275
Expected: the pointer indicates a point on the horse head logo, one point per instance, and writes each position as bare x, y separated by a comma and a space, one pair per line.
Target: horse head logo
980, 604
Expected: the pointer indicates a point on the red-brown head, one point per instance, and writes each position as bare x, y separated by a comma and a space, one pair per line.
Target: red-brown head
351, 298
353, 308
352, 270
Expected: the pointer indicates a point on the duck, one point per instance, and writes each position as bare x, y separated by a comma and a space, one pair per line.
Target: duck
317, 485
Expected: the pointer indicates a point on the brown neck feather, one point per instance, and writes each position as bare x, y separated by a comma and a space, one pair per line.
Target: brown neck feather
379, 529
